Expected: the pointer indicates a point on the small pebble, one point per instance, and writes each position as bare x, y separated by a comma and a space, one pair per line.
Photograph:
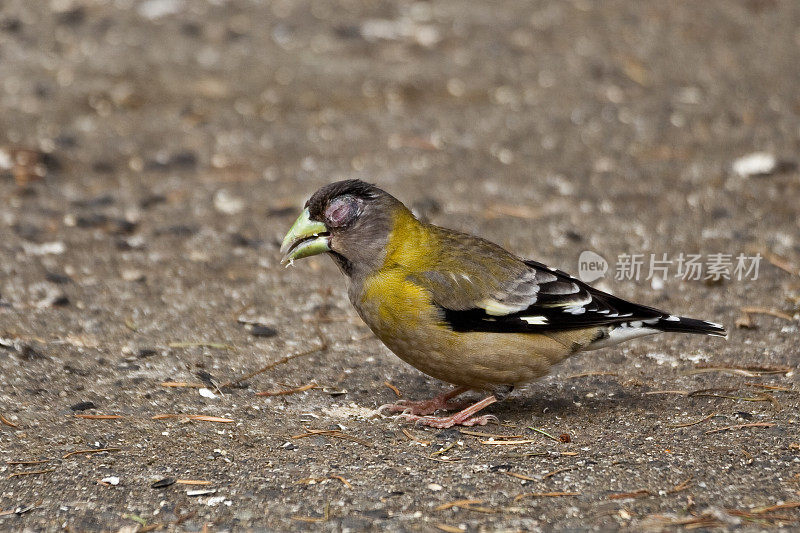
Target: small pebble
227, 204
215, 500
207, 393
146, 352
259, 330
83, 406
755, 164
46, 248
163, 483
200, 492
54, 277
132, 274
155, 9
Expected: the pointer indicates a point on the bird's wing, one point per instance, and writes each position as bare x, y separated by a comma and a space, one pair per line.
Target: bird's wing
504, 294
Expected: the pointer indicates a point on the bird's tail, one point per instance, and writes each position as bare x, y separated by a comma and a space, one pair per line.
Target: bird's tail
682, 324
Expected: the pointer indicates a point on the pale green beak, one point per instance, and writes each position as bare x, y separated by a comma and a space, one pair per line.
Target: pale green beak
306, 237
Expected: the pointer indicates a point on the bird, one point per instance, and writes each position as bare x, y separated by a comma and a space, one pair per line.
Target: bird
458, 307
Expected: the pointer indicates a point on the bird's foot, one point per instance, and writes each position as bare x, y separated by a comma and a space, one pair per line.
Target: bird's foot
444, 422
426, 407
421, 408
462, 418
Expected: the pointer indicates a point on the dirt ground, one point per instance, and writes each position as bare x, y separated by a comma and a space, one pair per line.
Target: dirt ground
153, 153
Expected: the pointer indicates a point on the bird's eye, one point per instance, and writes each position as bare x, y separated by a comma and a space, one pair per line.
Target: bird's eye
341, 211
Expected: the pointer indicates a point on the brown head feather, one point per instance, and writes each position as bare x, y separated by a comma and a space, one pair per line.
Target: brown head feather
360, 189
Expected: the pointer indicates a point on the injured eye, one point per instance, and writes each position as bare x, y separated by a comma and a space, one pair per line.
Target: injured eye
341, 211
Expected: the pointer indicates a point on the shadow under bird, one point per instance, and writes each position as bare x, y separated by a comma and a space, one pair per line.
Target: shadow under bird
458, 307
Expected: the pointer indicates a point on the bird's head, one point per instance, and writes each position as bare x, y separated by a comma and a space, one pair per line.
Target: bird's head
349, 219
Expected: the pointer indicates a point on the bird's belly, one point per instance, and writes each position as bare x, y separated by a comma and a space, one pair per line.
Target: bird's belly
464, 363
402, 315
477, 360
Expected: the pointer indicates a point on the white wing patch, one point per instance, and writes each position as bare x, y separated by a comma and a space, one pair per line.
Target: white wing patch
535, 320
495, 308
621, 333
572, 303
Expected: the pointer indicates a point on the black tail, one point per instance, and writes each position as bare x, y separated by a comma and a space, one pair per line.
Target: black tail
680, 324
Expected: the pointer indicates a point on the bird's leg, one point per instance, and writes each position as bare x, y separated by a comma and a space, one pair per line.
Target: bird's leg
461, 418
426, 407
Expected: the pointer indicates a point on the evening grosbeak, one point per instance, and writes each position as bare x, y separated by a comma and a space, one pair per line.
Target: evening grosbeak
458, 307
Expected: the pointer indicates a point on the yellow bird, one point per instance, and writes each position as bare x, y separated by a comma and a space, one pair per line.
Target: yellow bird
458, 307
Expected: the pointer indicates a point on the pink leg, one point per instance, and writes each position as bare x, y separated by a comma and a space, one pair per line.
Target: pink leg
426, 407
461, 418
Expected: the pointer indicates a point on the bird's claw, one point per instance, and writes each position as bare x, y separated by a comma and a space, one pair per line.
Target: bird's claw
415, 408
399, 406
444, 422
480, 420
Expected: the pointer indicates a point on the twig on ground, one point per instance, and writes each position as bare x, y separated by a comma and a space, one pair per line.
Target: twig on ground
321, 347
782, 263
520, 476
443, 450
786, 505
457, 503
741, 426
560, 470
6, 422
747, 370
543, 432
683, 485
394, 389
633, 494
411, 437
750, 310
712, 393
335, 433
342, 479
544, 495
771, 387
199, 418
705, 520
182, 384
506, 442
91, 451
287, 392
31, 473
474, 433
687, 424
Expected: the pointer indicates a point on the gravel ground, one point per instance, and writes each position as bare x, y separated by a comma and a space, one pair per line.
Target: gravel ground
153, 153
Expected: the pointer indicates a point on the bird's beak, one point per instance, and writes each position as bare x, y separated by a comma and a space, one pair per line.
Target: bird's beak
306, 237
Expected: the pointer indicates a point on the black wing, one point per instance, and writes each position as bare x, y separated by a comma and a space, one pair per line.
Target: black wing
560, 302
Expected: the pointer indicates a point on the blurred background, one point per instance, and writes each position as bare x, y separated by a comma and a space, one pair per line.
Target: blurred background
153, 153
582, 123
